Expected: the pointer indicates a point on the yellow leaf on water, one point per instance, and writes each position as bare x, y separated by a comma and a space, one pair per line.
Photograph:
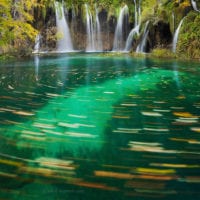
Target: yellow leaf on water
184, 114
155, 171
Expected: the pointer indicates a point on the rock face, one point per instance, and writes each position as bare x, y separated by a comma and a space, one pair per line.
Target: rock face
78, 31
160, 29
159, 36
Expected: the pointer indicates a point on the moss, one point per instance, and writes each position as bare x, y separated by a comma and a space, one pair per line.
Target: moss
148, 10
139, 55
189, 37
6, 57
162, 53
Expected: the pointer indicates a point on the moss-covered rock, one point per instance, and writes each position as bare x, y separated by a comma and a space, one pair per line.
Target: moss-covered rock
162, 53
189, 38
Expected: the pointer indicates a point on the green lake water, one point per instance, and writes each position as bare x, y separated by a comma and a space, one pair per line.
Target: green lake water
99, 127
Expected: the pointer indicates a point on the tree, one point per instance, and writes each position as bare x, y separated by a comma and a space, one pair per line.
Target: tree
16, 31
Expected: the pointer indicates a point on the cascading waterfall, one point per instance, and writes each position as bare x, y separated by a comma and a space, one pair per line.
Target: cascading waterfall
194, 5
64, 43
131, 35
94, 41
99, 45
135, 29
37, 43
94, 34
136, 14
141, 47
90, 32
118, 44
175, 39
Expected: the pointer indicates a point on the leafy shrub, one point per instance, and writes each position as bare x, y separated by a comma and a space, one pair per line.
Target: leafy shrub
189, 38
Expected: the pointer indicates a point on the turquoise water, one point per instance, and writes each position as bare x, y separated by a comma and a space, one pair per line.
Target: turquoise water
93, 126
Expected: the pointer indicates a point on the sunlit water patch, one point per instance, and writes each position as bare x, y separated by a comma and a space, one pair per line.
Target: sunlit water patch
80, 125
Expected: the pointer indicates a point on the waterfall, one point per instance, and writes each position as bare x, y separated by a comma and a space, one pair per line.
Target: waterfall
131, 35
194, 5
94, 41
136, 14
135, 29
175, 39
37, 43
90, 32
99, 45
118, 44
142, 45
64, 43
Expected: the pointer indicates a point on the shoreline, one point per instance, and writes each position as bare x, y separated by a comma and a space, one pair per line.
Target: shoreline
164, 54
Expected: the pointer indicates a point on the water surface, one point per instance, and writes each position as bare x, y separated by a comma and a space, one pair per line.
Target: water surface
93, 126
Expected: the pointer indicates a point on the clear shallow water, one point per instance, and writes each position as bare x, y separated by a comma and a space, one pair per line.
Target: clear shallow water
88, 126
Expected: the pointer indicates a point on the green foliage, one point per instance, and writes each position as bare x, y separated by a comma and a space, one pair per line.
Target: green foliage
189, 38
5, 21
162, 53
16, 31
148, 9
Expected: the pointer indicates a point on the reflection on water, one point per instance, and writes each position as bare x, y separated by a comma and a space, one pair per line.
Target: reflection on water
37, 62
98, 127
176, 75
